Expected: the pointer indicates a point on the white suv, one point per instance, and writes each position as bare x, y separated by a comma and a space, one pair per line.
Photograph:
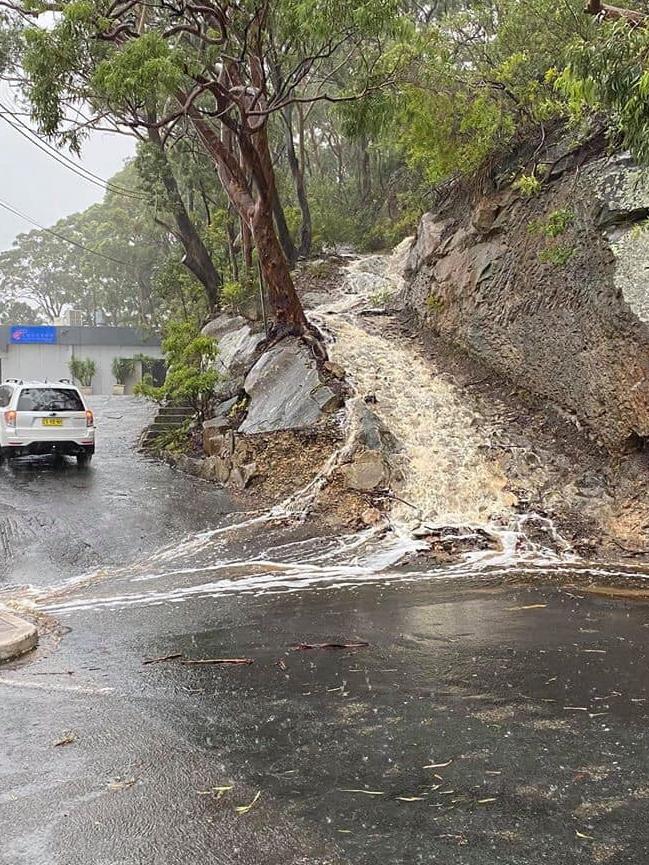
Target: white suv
43, 417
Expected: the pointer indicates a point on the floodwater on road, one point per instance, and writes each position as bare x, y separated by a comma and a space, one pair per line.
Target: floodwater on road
480, 724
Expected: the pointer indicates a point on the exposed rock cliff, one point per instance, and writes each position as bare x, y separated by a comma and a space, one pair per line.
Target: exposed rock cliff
550, 290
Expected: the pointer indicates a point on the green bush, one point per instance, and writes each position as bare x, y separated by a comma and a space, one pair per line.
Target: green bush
238, 296
528, 185
558, 222
191, 376
122, 368
558, 255
83, 369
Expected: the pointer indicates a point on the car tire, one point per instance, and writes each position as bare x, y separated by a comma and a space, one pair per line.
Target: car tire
83, 459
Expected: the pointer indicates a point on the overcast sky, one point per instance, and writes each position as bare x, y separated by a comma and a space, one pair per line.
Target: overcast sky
34, 183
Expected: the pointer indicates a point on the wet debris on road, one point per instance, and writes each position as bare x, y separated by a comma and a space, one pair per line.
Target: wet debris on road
306, 647
159, 660
67, 739
243, 809
121, 783
178, 656
216, 792
235, 661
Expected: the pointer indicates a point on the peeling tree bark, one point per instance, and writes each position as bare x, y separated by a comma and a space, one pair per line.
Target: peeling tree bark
254, 203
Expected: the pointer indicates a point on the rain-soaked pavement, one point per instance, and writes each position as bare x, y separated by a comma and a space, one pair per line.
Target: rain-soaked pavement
479, 725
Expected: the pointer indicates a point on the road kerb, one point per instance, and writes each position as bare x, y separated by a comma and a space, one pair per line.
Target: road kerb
16, 635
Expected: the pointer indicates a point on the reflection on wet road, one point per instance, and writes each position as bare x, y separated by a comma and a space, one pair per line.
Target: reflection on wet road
480, 724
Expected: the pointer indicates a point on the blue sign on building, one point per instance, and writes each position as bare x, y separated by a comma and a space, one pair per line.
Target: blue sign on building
31, 334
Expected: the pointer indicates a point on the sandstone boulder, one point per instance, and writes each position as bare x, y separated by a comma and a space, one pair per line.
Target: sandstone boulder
369, 471
285, 390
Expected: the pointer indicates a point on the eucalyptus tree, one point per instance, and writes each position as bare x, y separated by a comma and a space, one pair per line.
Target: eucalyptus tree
183, 68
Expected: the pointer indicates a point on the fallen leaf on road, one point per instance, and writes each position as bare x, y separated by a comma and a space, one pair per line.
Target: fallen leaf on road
304, 647
281, 664
438, 765
243, 809
486, 801
581, 835
410, 798
528, 607
68, 739
194, 661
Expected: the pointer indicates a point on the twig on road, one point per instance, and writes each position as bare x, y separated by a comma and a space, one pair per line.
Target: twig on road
196, 661
304, 647
163, 658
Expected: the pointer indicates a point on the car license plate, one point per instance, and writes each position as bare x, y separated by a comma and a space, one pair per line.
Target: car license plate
52, 421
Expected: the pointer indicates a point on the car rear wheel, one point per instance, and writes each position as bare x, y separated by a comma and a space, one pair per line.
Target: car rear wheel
84, 459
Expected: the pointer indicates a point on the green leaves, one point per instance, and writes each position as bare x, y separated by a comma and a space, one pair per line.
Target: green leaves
191, 376
144, 69
609, 72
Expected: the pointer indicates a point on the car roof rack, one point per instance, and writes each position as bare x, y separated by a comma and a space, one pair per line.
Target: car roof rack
64, 381
13, 381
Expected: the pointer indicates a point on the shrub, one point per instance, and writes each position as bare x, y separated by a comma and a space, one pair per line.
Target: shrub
123, 367
83, 369
528, 185
381, 297
558, 255
558, 222
434, 304
555, 225
191, 376
238, 296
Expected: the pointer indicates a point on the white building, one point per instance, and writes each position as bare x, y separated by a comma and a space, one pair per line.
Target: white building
44, 352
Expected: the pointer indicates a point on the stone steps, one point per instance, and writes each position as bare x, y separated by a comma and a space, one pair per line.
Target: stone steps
168, 418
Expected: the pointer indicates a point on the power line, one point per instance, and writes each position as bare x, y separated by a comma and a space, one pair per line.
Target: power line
62, 237
27, 132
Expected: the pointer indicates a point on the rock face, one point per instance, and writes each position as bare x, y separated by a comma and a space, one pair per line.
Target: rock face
285, 390
551, 291
238, 344
237, 349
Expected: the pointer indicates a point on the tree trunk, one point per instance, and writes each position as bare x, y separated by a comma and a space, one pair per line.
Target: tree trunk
246, 247
232, 252
364, 175
280, 291
196, 259
283, 232
257, 213
612, 13
297, 172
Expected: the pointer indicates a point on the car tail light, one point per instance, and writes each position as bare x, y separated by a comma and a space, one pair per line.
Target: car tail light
90, 418
10, 418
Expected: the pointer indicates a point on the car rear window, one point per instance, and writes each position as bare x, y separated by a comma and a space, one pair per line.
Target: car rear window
49, 399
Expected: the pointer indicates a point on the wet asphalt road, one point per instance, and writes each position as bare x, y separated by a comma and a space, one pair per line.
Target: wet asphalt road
480, 725
57, 520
